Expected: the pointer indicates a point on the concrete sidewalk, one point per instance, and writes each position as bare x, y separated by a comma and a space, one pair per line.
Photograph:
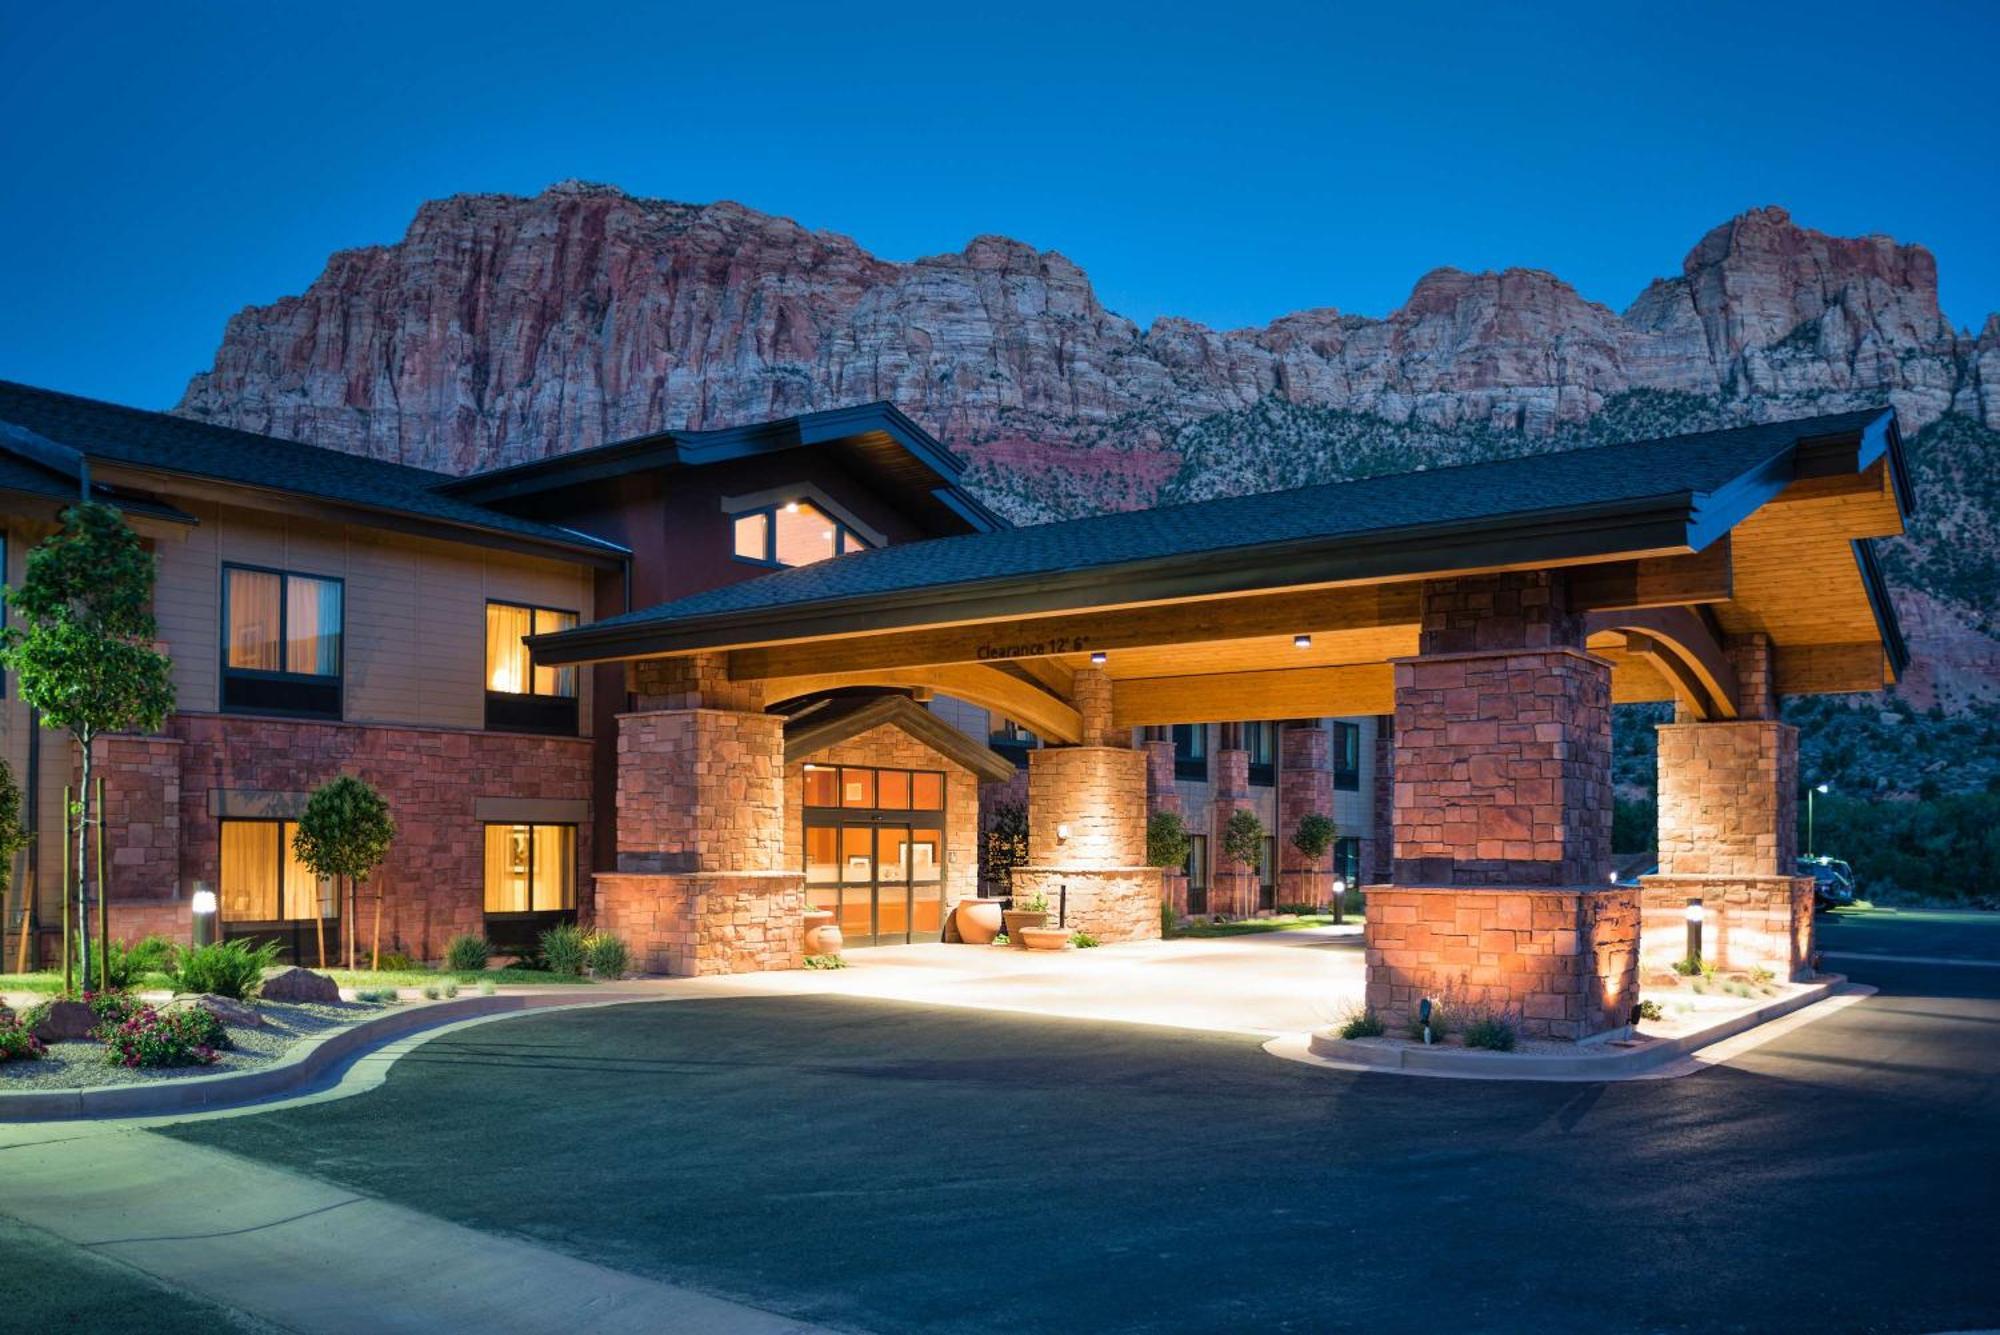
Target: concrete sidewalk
307, 1256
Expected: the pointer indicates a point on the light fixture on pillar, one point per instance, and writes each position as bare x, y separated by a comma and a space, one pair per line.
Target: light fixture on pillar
204, 905
1098, 659
1694, 915
1812, 792
1062, 833
1302, 641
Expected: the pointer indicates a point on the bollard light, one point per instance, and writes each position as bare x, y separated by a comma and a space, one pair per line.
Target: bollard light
204, 906
1694, 915
1339, 899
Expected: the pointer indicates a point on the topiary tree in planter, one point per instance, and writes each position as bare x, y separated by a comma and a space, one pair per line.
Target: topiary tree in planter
1243, 837
345, 832
82, 651
1314, 840
1167, 840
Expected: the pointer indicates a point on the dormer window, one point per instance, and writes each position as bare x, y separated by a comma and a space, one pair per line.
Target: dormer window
794, 532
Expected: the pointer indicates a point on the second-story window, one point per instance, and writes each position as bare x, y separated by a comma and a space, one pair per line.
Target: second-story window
1191, 751
521, 696
794, 533
1261, 741
1347, 756
281, 643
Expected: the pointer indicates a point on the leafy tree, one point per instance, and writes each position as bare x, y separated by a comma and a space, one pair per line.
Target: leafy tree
1314, 840
82, 650
1243, 837
1167, 840
345, 832
12, 835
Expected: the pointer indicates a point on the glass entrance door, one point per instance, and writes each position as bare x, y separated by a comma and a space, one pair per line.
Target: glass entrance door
882, 880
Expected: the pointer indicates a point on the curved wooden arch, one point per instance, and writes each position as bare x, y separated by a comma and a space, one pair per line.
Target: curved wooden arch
1027, 703
1681, 645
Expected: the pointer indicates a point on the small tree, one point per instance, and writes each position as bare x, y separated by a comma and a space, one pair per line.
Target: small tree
1166, 840
83, 654
345, 832
1004, 846
1314, 840
12, 838
1243, 837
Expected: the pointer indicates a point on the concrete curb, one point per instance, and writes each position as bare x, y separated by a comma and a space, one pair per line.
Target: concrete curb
1590, 1062
289, 1074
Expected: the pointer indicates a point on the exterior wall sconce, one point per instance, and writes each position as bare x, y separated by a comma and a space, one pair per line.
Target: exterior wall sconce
204, 906
1694, 915
791, 507
1302, 641
1062, 834
1097, 659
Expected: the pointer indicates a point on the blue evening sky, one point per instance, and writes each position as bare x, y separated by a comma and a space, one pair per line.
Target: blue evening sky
165, 165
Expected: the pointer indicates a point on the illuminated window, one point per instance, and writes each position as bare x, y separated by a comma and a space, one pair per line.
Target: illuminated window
263, 880
855, 787
508, 671
795, 533
530, 868
281, 642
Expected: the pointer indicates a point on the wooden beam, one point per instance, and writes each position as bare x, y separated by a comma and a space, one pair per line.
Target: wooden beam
1024, 639
1681, 645
1312, 692
1654, 581
1023, 701
1829, 669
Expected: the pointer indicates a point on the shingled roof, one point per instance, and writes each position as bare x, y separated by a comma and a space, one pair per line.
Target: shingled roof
161, 442
1671, 493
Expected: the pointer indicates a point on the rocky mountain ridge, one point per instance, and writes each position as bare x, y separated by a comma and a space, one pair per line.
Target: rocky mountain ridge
505, 328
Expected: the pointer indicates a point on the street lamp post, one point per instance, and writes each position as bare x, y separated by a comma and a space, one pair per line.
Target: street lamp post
1810, 794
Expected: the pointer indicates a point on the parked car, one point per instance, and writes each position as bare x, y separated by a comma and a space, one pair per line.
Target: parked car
1833, 880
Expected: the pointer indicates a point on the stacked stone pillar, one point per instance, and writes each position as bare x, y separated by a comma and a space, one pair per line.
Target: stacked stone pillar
1087, 807
1163, 796
702, 884
1232, 887
1305, 787
1728, 835
1501, 899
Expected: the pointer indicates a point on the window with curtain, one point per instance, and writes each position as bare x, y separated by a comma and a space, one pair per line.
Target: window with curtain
530, 868
281, 642
1190, 750
520, 696
1261, 741
263, 880
1347, 756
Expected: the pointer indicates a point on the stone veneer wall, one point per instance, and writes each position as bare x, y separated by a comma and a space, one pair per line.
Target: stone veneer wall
432, 778
1749, 922
1305, 786
1381, 844
701, 790
1099, 792
1563, 962
706, 923
1503, 768
1232, 885
1728, 798
892, 748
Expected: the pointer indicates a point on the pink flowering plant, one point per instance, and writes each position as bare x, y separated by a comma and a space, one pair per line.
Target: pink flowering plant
18, 1041
191, 1037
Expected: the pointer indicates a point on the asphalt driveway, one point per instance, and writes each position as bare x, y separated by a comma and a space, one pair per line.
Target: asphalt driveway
891, 1166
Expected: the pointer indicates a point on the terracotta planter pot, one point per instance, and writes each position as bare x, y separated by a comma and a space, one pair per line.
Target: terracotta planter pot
978, 921
1044, 938
823, 933
1018, 921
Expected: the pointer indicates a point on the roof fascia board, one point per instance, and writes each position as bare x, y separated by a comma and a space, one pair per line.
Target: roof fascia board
1652, 526
607, 557
898, 711
542, 475
963, 504
1876, 586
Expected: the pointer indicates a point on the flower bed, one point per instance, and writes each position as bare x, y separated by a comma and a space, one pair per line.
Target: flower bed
98, 1062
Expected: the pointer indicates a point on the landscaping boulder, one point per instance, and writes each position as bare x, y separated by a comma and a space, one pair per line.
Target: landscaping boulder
66, 1022
237, 1014
299, 985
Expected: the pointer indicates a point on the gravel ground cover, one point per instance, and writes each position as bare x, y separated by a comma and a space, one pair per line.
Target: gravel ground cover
286, 1024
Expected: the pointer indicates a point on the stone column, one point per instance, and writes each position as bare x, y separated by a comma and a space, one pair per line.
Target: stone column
1728, 834
1305, 786
1087, 827
1162, 795
702, 884
1502, 801
1379, 864
1232, 888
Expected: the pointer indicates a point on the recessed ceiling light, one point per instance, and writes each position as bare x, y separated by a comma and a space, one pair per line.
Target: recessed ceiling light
1302, 641
1097, 659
